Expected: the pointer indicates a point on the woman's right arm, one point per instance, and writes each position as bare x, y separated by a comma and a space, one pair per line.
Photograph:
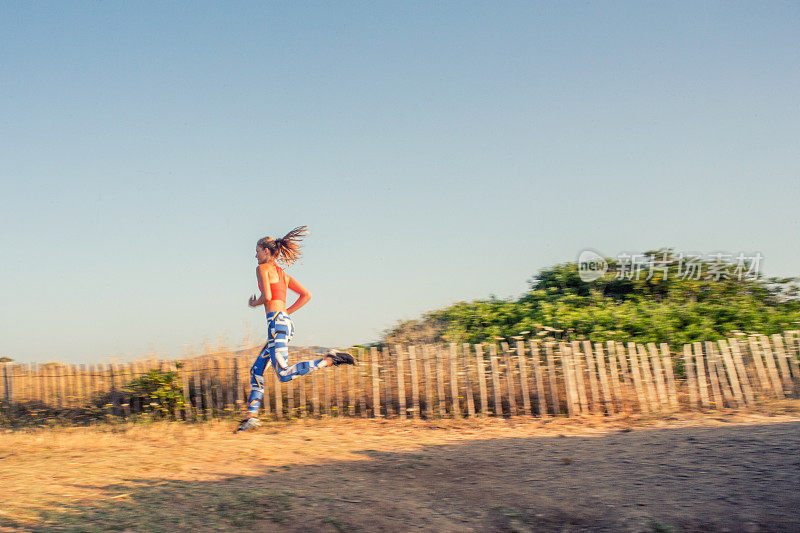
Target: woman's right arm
305, 295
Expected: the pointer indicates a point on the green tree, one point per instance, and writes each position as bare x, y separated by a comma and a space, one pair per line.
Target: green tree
662, 304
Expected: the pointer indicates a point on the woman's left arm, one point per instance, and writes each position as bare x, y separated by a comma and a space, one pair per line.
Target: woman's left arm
305, 295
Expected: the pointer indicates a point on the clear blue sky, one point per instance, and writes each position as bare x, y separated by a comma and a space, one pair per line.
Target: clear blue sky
438, 151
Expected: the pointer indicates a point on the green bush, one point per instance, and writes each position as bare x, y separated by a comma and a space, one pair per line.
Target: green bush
160, 390
666, 308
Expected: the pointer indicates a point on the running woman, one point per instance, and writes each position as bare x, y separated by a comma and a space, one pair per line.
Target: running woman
272, 283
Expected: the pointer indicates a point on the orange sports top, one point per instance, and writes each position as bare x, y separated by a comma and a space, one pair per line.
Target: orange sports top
278, 289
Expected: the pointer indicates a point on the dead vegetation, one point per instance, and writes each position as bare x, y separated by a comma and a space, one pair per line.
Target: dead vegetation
689, 472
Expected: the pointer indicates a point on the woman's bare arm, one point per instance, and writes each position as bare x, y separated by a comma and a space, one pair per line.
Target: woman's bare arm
263, 286
305, 295
255, 302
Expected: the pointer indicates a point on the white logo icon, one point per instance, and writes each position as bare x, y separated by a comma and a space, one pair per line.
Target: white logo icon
591, 265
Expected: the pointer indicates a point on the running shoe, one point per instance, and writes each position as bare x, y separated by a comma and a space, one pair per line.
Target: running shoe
247, 424
340, 358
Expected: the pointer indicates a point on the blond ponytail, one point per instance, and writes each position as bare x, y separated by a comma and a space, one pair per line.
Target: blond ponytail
287, 248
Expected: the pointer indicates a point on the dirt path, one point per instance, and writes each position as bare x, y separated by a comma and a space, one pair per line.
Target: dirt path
728, 473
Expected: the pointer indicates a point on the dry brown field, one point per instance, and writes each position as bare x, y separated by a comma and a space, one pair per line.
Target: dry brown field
731, 471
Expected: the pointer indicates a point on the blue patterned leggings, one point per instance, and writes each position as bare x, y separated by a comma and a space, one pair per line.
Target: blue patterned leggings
276, 353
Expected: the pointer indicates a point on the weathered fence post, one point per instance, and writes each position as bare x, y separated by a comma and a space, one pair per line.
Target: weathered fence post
658, 375
647, 376
783, 364
362, 386
440, 381
593, 385
637, 378
738, 362
481, 379
763, 380
577, 372
732, 374
315, 393
6, 385
551, 371
600, 359
523, 378
700, 366
376, 389
237, 385
666, 360
217, 387
691, 381
187, 401
764, 349
402, 406
113, 393
468, 381
723, 380
622, 399
388, 381
428, 377
512, 401
30, 390
712, 376
537, 372
498, 402
570, 386
793, 353
412, 363
453, 357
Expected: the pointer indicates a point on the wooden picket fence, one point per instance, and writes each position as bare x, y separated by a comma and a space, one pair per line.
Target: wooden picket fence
530, 378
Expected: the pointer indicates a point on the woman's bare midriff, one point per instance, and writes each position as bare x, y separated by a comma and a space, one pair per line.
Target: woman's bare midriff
274, 306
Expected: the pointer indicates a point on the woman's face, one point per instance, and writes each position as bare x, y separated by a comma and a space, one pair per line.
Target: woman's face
262, 255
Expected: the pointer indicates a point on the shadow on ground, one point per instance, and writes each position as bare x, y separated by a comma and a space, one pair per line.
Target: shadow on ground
735, 478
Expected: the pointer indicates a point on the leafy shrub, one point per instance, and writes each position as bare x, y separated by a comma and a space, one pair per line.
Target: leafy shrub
160, 390
665, 308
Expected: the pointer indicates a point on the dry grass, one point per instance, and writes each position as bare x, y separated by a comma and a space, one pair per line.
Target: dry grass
176, 476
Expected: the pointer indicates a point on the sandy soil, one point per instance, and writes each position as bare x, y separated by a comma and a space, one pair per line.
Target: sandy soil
728, 472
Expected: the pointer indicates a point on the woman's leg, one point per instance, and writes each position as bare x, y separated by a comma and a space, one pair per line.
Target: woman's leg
282, 331
257, 379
